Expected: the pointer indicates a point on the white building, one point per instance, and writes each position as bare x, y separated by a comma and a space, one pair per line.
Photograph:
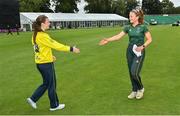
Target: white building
72, 20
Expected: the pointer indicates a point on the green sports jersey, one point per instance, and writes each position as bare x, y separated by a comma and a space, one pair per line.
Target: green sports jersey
136, 34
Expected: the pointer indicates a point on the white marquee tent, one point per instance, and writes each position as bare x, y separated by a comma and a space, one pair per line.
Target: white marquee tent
72, 20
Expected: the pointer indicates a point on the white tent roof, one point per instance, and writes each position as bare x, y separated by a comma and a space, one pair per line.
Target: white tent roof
30, 17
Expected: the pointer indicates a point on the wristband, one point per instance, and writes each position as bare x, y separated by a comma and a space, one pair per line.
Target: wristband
144, 46
71, 49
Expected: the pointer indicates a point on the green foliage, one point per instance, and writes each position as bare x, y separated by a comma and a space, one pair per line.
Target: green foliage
176, 10
151, 6
130, 4
121, 7
99, 6
118, 7
66, 6
35, 6
167, 7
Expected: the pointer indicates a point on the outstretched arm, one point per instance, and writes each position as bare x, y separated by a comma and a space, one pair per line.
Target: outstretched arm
46, 40
114, 38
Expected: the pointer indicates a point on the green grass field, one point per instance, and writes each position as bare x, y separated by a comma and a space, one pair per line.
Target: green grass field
96, 81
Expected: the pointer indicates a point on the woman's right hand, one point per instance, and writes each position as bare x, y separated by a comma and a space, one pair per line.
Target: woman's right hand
103, 42
54, 58
76, 50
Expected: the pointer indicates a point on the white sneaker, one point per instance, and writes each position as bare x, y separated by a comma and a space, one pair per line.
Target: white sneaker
31, 103
140, 94
61, 106
132, 95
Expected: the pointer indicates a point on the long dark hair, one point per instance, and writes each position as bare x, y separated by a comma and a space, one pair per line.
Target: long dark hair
37, 26
140, 14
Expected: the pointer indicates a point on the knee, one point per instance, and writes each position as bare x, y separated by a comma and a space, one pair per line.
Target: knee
45, 83
133, 73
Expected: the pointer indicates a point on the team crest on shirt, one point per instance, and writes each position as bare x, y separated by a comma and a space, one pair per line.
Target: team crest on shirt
138, 30
36, 48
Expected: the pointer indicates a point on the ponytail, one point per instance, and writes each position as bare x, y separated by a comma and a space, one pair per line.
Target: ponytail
37, 26
141, 17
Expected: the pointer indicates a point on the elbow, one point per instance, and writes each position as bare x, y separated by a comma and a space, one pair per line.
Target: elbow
150, 40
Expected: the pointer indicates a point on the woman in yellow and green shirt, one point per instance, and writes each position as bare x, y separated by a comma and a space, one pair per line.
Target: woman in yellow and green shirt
43, 45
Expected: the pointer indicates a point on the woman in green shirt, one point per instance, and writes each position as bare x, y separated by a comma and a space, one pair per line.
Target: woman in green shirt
136, 31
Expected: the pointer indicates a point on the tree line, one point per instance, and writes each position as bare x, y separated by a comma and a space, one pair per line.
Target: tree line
121, 7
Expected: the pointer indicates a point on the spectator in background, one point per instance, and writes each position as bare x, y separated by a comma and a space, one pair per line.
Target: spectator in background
9, 30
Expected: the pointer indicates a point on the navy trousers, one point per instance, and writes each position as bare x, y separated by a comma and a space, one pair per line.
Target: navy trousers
49, 83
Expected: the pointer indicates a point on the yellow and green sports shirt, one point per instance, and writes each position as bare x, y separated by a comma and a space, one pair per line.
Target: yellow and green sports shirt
43, 46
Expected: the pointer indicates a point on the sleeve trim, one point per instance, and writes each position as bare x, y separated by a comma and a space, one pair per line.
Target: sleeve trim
71, 49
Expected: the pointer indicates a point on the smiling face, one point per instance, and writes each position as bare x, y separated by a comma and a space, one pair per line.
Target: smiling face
133, 17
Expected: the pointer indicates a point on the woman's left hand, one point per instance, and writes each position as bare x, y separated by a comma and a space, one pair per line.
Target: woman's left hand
139, 49
54, 58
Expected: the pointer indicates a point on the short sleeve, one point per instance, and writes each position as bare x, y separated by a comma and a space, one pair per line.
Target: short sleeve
126, 29
145, 29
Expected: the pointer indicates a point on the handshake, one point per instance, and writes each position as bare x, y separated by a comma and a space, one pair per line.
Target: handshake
102, 42
135, 48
